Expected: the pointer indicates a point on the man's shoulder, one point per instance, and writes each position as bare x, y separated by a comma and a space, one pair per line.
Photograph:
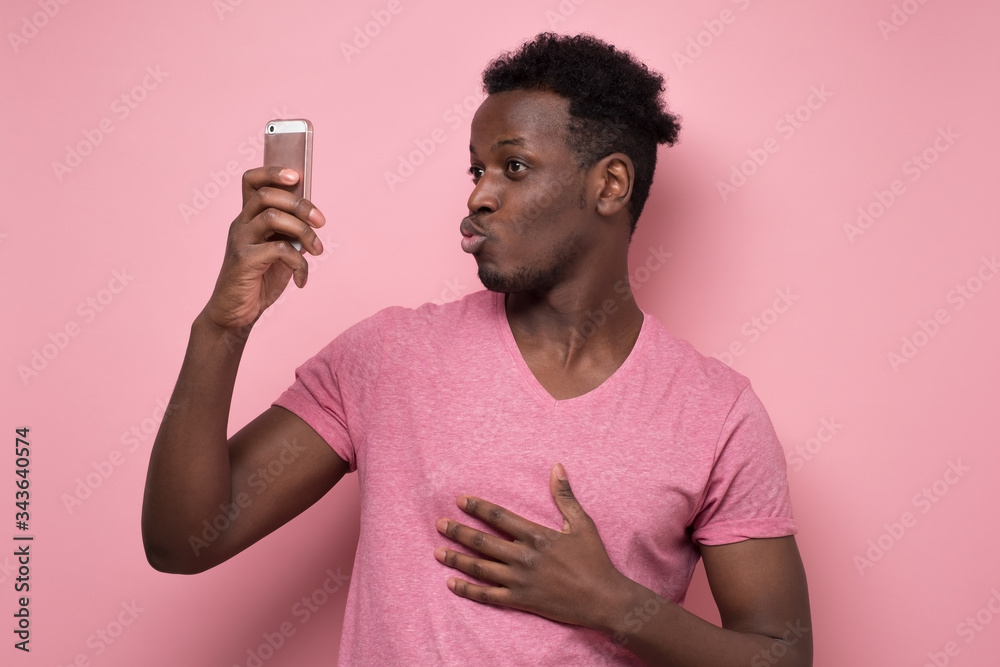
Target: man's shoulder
695, 370
405, 333
474, 307
403, 325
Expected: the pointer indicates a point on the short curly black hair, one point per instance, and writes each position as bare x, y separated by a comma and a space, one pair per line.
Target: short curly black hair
615, 102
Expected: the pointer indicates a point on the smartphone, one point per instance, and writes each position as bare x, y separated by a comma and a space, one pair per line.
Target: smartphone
288, 143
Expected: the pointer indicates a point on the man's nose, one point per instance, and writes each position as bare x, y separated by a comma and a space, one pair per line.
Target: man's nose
484, 197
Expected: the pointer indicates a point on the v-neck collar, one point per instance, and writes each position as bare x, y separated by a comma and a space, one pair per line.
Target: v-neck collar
535, 387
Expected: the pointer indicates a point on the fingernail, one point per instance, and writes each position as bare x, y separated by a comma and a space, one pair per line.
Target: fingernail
289, 175
318, 246
442, 525
439, 553
316, 216
560, 472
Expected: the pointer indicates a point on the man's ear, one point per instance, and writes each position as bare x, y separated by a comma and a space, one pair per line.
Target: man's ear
614, 176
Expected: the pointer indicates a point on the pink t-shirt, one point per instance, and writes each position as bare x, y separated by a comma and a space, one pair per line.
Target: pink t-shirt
431, 403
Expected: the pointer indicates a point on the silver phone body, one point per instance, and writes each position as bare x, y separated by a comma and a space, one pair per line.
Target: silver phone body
289, 143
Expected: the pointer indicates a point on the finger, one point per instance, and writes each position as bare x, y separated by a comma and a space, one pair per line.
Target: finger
489, 545
566, 501
499, 517
479, 568
261, 176
258, 258
485, 594
267, 187
268, 196
272, 220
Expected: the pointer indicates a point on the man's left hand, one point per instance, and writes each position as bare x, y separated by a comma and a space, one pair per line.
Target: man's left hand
563, 575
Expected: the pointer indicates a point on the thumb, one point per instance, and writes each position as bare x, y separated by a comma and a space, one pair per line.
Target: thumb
569, 506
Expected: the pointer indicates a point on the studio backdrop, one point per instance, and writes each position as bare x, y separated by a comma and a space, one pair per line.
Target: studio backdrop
826, 225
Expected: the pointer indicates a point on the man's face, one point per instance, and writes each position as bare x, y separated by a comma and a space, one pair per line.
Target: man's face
526, 224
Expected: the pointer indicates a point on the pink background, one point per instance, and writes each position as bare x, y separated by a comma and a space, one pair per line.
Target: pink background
224, 68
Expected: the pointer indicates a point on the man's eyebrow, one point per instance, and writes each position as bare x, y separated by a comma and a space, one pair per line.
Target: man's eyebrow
513, 141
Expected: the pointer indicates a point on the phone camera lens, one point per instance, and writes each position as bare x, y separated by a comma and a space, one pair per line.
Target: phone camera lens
270, 129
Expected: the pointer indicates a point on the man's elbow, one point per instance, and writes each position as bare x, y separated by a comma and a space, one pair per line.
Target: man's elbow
786, 652
163, 560
172, 558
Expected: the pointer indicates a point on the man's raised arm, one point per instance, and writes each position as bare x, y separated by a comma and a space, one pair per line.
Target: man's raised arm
203, 501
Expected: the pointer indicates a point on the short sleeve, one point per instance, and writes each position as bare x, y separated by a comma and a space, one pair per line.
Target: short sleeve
747, 492
334, 390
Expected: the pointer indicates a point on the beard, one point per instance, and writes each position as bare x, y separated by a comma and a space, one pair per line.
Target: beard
540, 278
519, 280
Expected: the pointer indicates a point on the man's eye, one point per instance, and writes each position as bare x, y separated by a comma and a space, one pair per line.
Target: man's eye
476, 172
516, 166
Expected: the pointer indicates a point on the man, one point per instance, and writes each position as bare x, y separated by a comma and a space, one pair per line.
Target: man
494, 403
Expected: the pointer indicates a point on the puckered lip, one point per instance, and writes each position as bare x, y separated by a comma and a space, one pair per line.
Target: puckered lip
468, 229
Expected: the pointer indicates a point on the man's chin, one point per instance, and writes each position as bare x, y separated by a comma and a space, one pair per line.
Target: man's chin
519, 281
494, 284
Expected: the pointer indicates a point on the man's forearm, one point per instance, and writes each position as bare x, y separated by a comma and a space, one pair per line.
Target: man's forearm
663, 633
189, 471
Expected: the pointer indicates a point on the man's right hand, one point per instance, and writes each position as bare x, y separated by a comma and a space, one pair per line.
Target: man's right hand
195, 470
259, 255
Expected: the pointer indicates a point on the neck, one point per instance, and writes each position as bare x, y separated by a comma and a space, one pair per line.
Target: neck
576, 324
